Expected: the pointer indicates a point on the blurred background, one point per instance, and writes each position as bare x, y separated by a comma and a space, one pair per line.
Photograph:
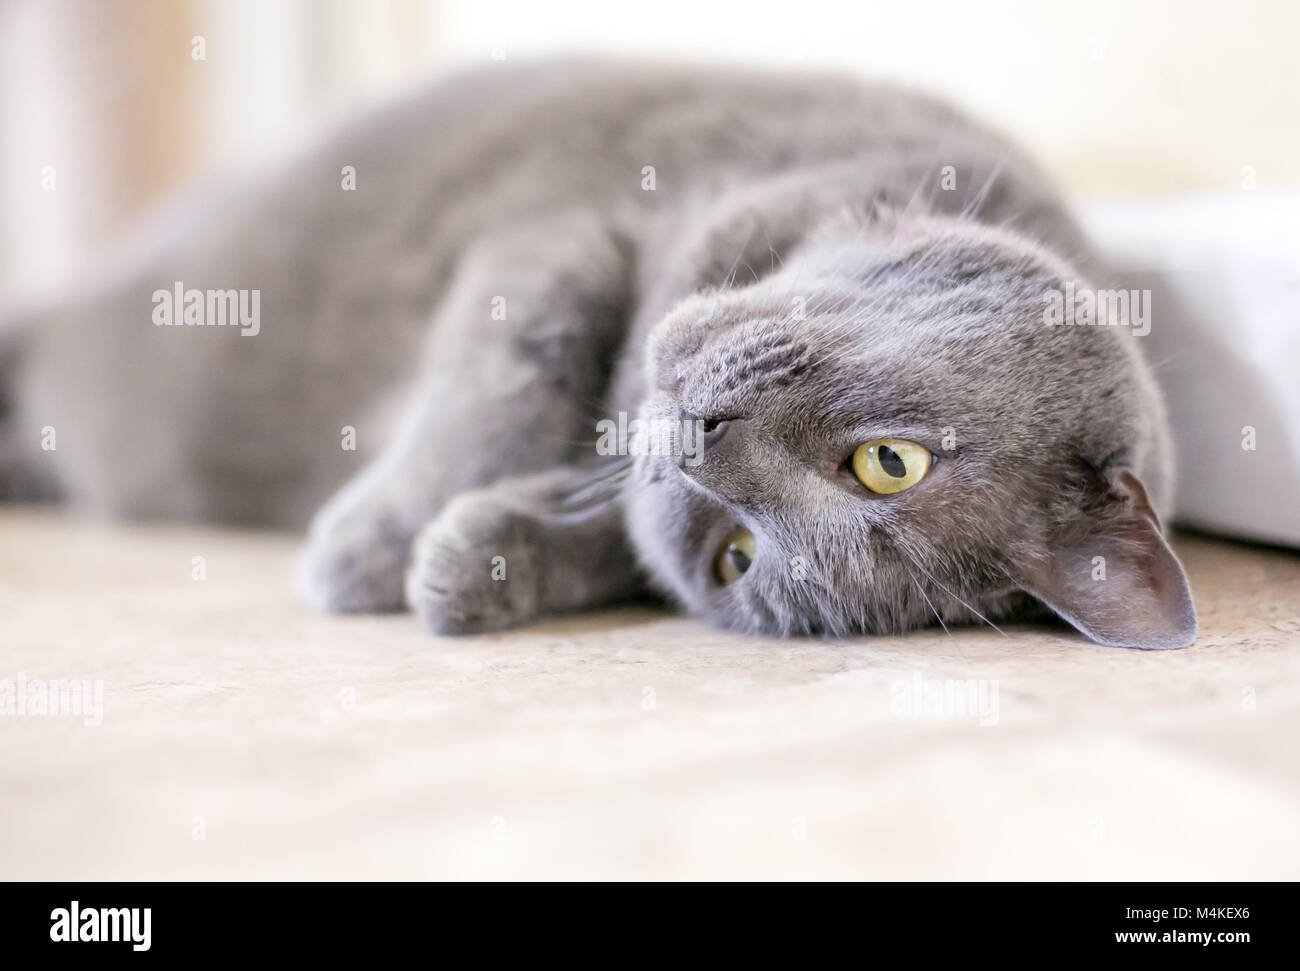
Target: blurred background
1171, 124
108, 106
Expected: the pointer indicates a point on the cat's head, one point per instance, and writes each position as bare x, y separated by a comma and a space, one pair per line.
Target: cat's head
893, 431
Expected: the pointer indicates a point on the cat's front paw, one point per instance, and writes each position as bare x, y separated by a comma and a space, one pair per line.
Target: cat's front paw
354, 563
475, 568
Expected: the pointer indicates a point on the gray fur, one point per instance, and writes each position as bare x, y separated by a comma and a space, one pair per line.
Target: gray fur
475, 435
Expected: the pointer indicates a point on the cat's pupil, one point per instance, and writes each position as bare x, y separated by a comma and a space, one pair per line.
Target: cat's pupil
891, 463
739, 558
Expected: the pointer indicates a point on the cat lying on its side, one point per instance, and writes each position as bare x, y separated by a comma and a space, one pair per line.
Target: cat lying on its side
820, 307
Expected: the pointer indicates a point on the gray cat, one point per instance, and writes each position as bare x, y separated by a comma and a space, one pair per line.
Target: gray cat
820, 309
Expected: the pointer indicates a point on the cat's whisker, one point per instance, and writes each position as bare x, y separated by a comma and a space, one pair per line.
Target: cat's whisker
910, 558
730, 277
925, 179
773, 256
954, 596
929, 603
972, 208
603, 486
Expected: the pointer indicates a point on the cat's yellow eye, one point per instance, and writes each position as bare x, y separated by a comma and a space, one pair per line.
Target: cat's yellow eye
734, 557
887, 465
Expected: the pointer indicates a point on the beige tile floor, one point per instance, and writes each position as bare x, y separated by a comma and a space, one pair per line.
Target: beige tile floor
629, 744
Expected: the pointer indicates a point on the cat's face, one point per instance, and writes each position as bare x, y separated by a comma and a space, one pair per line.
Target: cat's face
1019, 454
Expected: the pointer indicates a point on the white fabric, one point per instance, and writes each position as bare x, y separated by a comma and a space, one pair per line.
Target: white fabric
1224, 272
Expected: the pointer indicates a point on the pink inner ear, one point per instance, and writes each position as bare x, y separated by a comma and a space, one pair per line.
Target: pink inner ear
1137, 494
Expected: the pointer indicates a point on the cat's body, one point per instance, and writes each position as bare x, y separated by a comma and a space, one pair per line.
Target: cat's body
523, 254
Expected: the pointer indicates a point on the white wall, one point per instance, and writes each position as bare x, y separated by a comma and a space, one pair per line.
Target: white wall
1112, 95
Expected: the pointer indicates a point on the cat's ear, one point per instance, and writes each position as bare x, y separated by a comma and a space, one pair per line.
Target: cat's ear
1113, 576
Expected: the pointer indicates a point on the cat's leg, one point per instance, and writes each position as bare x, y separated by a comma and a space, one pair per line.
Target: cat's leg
518, 360
520, 549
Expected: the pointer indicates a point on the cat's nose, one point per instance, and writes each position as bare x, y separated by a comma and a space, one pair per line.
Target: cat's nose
727, 462
700, 434
712, 427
